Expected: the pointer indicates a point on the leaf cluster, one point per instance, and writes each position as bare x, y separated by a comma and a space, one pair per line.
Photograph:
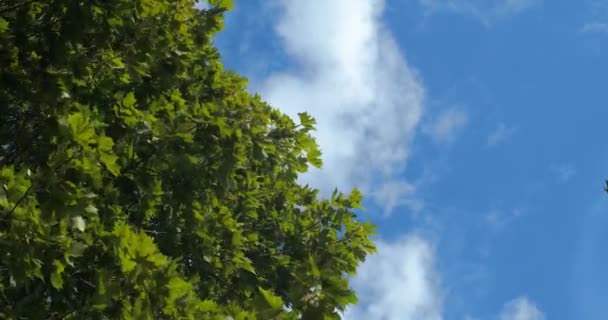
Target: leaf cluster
140, 180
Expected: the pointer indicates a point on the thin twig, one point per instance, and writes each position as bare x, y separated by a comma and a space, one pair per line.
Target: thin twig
20, 199
88, 283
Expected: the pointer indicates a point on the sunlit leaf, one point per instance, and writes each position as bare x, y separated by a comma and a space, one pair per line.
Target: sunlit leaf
273, 301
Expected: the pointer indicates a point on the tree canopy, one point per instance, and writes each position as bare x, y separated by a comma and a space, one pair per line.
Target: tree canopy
140, 180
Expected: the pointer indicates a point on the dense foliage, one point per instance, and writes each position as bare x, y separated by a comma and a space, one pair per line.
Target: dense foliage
140, 180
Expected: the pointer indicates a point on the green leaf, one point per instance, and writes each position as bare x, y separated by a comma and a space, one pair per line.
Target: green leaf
355, 198
347, 299
3, 25
91, 209
273, 301
106, 155
78, 223
3, 200
80, 128
314, 157
243, 263
109, 160
105, 143
56, 278
237, 238
117, 63
125, 78
77, 249
306, 120
254, 236
313, 268
129, 100
224, 4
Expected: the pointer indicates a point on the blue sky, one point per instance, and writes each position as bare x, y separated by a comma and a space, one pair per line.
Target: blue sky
476, 130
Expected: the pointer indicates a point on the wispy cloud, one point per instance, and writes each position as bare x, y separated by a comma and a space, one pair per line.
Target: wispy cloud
395, 194
351, 76
521, 309
483, 10
494, 223
563, 172
595, 27
398, 283
501, 133
499, 219
515, 6
447, 125
597, 21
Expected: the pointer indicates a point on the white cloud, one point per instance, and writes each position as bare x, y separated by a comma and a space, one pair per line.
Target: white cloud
447, 125
483, 10
500, 134
351, 76
521, 309
398, 283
